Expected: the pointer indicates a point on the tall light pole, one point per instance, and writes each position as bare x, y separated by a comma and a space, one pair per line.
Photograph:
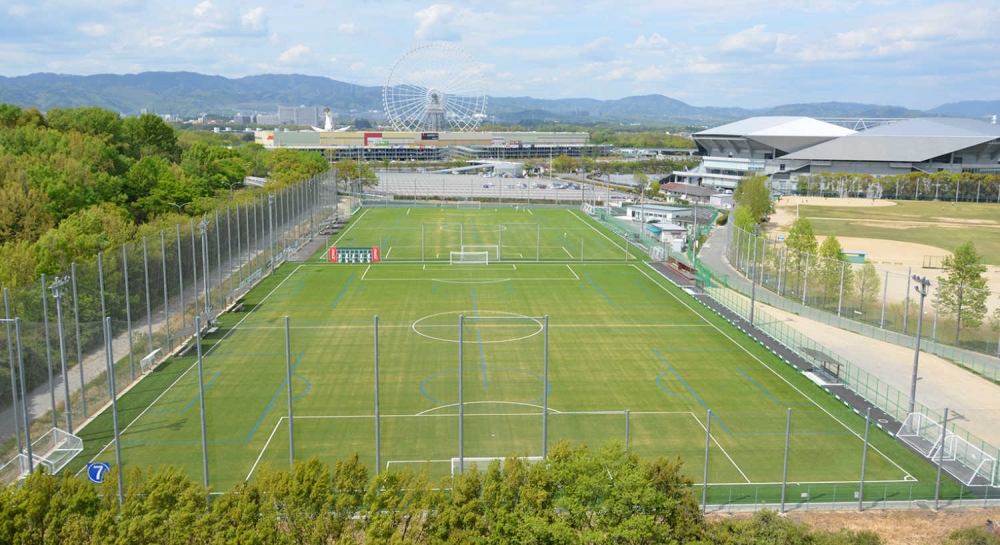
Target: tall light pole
57, 287
921, 288
231, 191
179, 206
270, 228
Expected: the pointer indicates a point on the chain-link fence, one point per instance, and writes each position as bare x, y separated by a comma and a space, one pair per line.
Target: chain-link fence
878, 303
152, 290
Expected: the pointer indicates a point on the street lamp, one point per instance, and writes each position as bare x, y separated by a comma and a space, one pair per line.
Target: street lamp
179, 206
921, 288
231, 190
57, 288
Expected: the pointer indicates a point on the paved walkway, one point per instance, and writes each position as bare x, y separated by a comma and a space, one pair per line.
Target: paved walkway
941, 383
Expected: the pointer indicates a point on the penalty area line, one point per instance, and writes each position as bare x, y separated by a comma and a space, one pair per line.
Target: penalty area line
716, 441
263, 450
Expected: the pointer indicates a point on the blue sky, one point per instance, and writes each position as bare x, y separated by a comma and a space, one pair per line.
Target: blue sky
751, 53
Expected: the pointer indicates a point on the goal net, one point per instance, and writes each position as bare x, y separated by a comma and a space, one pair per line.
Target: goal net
469, 205
461, 465
967, 462
149, 361
492, 250
54, 449
470, 258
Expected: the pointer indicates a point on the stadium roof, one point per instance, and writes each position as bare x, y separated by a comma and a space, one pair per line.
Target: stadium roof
912, 140
778, 126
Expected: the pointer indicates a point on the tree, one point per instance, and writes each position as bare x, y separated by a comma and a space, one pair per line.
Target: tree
867, 283
835, 270
802, 242
148, 134
565, 163
755, 194
963, 289
654, 189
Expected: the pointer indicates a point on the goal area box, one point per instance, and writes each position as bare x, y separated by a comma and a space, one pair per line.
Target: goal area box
367, 254
963, 460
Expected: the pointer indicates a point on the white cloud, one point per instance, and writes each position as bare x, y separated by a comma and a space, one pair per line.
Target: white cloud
601, 49
254, 19
355, 66
347, 28
293, 54
435, 23
202, 8
94, 29
654, 42
755, 39
18, 10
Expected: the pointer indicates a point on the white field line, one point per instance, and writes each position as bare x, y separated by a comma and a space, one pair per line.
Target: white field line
470, 415
530, 212
445, 327
515, 267
716, 441
567, 252
366, 271
407, 211
349, 227
424, 413
811, 400
193, 365
598, 231
263, 450
388, 252
575, 276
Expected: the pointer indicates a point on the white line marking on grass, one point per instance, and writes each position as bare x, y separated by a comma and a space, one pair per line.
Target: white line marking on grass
193, 365
424, 413
388, 252
716, 441
576, 276
515, 267
263, 450
349, 227
597, 230
811, 400
407, 211
567, 252
366, 272
530, 212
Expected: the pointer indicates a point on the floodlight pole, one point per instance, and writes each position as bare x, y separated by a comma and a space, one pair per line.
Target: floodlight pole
57, 292
545, 391
13, 373
24, 396
921, 288
270, 228
203, 231
461, 404
378, 416
201, 400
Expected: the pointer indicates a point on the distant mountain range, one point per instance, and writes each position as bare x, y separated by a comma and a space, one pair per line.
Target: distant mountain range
190, 94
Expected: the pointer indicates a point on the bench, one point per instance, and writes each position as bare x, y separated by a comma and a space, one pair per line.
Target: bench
184, 351
146, 363
237, 308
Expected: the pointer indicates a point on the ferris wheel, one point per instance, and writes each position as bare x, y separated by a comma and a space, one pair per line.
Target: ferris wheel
435, 87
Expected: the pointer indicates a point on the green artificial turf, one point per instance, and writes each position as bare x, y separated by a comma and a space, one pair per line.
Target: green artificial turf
619, 338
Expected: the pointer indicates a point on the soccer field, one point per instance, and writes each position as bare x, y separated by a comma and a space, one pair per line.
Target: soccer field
619, 338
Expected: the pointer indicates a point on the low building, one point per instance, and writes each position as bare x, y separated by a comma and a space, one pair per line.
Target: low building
687, 193
669, 233
722, 201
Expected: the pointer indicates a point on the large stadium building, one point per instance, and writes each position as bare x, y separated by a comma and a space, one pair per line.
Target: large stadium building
784, 148
434, 146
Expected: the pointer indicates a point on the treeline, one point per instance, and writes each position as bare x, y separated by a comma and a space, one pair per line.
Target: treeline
578, 495
565, 163
945, 186
77, 182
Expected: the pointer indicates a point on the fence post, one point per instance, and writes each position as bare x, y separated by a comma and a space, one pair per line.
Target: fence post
128, 312
937, 482
239, 244
708, 442
937, 311
288, 378
218, 261
461, 400
840, 299
864, 461
149, 306
885, 294
180, 277
805, 282
79, 342
378, 417
784, 472
48, 350
201, 400
194, 268
24, 396
110, 360
906, 304
166, 288
13, 372
545, 389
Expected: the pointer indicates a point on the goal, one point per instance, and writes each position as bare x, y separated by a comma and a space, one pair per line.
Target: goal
53, 450
461, 465
470, 205
493, 250
470, 258
964, 460
149, 361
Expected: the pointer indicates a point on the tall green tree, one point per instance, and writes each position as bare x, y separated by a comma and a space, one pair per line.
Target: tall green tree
963, 288
754, 193
834, 270
867, 285
801, 243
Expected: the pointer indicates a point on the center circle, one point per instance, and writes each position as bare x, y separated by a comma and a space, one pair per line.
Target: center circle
502, 326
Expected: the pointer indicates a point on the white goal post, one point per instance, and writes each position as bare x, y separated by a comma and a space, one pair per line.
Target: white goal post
469, 258
964, 460
492, 249
149, 361
471, 205
461, 465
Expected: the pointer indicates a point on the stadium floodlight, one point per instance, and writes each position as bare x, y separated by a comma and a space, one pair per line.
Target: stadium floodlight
57, 288
921, 288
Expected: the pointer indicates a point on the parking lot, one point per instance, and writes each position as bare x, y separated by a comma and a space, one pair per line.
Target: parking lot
475, 187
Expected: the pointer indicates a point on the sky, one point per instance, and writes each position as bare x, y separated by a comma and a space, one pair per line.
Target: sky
749, 53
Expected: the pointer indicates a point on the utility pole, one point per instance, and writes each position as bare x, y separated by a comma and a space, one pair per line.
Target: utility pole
57, 292
921, 288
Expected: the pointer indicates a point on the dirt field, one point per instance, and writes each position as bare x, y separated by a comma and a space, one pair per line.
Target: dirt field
888, 255
896, 527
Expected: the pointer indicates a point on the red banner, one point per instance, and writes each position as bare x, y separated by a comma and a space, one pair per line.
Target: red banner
375, 256
333, 254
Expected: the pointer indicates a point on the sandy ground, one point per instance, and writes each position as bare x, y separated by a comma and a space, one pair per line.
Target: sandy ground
895, 527
900, 258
